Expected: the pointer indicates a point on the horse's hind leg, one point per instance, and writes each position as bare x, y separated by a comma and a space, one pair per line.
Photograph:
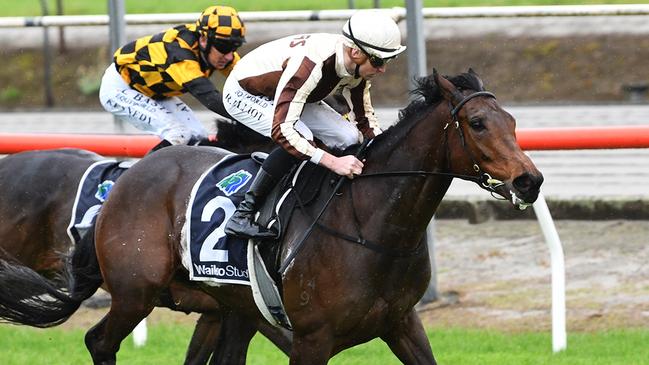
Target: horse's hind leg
104, 339
408, 341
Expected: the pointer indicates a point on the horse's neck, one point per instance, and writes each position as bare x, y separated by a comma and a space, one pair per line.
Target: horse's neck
410, 201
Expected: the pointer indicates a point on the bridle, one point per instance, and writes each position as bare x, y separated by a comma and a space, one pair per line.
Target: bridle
483, 179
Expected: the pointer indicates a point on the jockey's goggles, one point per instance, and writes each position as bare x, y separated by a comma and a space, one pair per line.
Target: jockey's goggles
225, 46
375, 60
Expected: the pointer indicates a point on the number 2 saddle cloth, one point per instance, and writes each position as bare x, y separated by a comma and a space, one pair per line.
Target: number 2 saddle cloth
208, 253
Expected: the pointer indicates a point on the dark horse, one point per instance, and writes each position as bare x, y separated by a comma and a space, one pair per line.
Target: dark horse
337, 294
37, 191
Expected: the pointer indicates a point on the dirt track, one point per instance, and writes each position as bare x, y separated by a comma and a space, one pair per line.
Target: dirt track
500, 272
497, 275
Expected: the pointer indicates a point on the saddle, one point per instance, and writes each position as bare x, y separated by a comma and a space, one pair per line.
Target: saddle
211, 256
300, 189
297, 190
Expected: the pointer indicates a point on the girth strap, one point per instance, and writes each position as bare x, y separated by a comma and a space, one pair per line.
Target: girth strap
371, 245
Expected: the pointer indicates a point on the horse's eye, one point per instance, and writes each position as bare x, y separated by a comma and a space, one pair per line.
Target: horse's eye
476, 124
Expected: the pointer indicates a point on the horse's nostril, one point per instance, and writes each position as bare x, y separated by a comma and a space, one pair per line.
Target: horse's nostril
527, 182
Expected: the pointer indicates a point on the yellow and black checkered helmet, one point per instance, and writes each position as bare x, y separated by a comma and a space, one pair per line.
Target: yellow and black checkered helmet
222, 27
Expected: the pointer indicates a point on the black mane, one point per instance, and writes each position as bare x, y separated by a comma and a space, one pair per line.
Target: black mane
430, 94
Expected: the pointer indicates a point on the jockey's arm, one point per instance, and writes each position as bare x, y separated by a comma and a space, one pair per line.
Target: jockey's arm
292, 92
204, 91
188, 73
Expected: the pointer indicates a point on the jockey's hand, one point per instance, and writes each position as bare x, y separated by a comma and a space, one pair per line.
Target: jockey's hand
345, 166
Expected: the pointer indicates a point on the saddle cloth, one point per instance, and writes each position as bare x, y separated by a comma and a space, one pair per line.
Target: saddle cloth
215, 258
94, 187
208, 253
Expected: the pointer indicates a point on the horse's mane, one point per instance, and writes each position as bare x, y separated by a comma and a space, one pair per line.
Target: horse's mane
429, 96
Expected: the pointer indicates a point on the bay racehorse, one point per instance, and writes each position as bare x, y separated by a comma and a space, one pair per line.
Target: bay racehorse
337, 293
37, 193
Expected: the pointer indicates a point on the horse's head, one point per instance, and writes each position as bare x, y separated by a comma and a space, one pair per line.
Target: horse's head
482, 137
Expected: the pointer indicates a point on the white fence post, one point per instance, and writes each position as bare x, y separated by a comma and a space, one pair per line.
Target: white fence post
559, 341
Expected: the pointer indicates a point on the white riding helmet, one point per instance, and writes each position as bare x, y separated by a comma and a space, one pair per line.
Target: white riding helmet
374, 32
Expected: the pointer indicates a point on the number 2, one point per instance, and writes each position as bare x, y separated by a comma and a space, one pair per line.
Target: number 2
208, 251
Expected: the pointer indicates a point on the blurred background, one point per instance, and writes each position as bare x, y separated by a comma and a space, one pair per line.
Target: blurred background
524, 60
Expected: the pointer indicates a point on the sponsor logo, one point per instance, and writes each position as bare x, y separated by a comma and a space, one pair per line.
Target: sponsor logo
213, 270
233, 182
103, 190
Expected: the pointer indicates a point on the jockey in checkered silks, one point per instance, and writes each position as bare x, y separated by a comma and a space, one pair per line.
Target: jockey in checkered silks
147, 75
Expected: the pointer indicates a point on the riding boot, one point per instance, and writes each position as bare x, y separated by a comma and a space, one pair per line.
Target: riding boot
242, 224
164, 143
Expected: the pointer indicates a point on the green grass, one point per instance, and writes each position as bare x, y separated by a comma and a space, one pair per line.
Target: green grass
76, 7
167, 344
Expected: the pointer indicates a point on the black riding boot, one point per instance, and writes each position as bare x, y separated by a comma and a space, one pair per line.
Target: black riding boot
241, 223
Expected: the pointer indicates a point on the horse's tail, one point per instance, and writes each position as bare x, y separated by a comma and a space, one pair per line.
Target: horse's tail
30, 299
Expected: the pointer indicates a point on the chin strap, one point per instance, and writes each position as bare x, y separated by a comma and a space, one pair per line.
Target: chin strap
202, 52
356, 73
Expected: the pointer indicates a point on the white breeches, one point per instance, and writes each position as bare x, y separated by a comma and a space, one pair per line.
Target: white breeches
317, 119
169, 118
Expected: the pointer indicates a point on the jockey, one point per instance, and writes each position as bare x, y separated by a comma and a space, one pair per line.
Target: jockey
142, 85
278, 88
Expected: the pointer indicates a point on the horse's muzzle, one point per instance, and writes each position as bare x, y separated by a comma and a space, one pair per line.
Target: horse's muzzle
526, 189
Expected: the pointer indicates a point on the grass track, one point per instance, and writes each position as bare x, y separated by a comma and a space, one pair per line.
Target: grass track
167, 343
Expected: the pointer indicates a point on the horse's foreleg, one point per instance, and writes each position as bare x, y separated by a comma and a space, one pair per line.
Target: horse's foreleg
408, 341
312, 349
234, 339
204, 339
282, 338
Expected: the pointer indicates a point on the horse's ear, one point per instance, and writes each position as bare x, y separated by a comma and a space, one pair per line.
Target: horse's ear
448, 90
475, 74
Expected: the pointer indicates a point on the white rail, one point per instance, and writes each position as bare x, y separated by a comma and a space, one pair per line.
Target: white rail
315, 15
180, 18
559, 340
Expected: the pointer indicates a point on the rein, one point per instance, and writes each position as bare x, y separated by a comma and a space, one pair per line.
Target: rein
484, 180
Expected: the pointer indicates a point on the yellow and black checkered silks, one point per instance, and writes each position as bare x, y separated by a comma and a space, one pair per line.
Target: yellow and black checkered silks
221, 22
162, 65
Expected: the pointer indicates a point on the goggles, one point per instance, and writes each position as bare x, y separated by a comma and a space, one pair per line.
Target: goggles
225, 46
375, 60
